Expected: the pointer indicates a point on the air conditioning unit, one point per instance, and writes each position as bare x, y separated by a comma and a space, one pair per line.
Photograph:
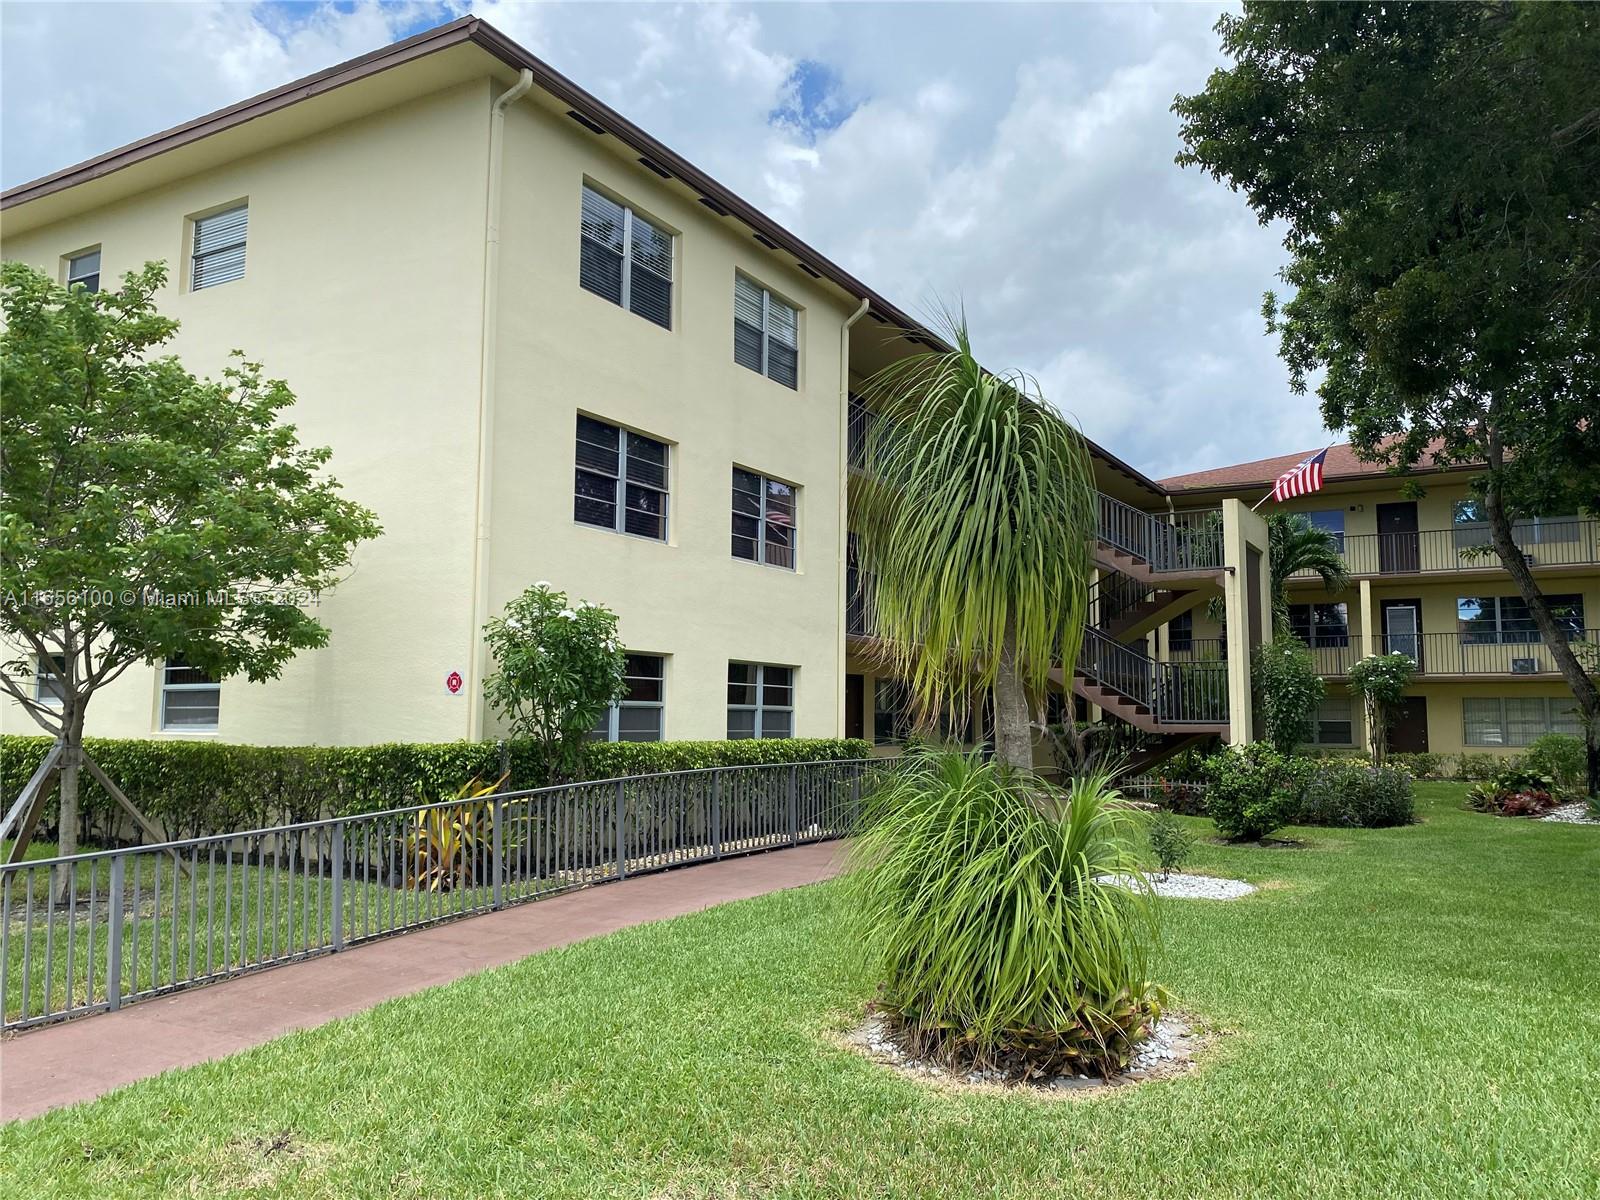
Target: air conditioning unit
1532, 559
1524, 666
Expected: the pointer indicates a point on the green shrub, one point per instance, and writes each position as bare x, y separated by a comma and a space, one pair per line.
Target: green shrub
1254, 790
1170, 842
1473, 768
1422, 765
1560, 756
1515, 791
959, 860
1356, 795
197, 787
1288, 691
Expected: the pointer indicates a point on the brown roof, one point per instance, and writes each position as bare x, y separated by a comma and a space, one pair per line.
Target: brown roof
1341, 463
601, 118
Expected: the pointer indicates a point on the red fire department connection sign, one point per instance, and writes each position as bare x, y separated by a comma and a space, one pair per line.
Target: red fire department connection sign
453, 683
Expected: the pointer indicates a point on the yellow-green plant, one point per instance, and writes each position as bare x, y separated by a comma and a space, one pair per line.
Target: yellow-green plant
445, 845
983, 897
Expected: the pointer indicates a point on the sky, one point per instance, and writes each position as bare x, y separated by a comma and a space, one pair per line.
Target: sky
1013, 159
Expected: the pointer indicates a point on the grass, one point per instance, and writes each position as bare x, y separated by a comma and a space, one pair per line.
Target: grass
1409, 1013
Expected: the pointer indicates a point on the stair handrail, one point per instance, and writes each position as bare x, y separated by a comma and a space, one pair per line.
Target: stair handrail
1166, 547
1176, 693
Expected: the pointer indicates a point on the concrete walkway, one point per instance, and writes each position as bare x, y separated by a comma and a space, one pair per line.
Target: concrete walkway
78, 1060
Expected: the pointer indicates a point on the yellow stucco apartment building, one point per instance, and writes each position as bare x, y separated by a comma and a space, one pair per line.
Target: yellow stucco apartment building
544, 347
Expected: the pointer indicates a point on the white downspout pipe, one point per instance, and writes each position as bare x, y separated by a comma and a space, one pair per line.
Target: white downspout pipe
844, 497
486, 342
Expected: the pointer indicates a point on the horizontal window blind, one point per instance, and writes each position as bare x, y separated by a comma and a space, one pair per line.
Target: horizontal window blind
765, 522
219, 242
747, 324
766, 333
625, 258
620, 480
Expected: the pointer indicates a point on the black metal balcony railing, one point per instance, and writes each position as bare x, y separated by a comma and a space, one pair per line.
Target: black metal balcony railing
1176, 693
1546, 544
1189, 545
1450, 654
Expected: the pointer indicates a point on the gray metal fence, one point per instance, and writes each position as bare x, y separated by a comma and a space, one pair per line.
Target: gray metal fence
93, 932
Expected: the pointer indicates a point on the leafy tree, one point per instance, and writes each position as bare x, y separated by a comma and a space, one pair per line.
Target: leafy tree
147, 513
1288, 690
559, 666
974, 521
1437, 170
1380, 680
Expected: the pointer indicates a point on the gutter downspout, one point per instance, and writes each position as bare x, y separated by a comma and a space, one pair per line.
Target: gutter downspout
488, 309
844, 497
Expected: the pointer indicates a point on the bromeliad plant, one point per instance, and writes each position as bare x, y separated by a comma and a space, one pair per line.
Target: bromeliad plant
982, 896
447, 843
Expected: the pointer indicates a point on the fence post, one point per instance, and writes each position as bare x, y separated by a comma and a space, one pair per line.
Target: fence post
114, 936
622, 836
716, 814
497, 852
794, 814
855, 800
338, 886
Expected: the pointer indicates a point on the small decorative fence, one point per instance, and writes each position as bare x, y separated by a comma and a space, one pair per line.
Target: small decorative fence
92, 932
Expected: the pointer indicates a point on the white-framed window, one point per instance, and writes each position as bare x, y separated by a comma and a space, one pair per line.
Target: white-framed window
48, 686
83, 270
640, 714
625, 258
1319, 625
765, 519
760, 700
1335, 724
219, 240
190, 699
1471, 523
766, 333
620, 481
1516, 720
1507, 621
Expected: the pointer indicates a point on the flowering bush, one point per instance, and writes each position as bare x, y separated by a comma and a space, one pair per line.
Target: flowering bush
559, 666
1514, 792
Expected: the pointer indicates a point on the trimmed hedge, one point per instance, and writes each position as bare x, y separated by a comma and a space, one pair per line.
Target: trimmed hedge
192, 788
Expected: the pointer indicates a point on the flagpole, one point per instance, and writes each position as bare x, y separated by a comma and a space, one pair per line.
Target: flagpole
1274, 486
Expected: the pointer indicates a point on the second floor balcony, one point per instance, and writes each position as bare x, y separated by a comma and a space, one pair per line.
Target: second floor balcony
1461, 655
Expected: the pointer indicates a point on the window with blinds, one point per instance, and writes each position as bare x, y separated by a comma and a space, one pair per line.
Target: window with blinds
190, 699
84, 270
766, 333
625, 258
621, 480
765, 524
760, 700
1516, 720
219, 248
638, 716
1335, 724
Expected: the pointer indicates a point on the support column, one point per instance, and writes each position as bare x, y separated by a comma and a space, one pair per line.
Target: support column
1247, 600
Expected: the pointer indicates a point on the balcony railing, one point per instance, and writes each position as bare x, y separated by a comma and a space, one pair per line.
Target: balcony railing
1187, 546
1546, 544
1450, 654
1176, 693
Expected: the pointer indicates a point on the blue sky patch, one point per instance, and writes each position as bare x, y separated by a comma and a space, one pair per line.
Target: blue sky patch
813, 100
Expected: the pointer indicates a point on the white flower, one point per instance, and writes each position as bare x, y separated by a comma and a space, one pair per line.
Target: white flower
566, 614
584, 604
543, 583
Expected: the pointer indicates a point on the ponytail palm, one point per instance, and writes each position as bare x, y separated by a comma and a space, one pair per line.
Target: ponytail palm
975, 521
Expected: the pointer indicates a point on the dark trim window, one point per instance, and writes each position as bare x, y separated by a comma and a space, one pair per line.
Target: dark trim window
620, 481
765, 521
219, 247
625, 258
1516, 720
1335, 725
84, 269
48, 687
766, 333
190, 699
639, 715
1506, 621
1180, 633
1320, 625
760, 700
892, 721
1329, 520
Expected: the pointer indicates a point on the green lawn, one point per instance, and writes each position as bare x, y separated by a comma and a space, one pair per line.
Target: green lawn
1410, 1012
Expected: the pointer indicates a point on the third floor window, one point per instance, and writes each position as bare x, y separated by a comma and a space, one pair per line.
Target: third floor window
84, 269
766, 333
764, 521
219, 248
625, 258
621, 480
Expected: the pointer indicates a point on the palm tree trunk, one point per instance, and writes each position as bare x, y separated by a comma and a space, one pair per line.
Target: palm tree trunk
1013, 729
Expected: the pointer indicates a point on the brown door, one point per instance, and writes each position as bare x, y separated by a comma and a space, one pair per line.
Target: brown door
855, 707
1402, 629
1397, 537
1408, 732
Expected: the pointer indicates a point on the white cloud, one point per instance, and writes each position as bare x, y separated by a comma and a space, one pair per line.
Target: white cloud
1015, 157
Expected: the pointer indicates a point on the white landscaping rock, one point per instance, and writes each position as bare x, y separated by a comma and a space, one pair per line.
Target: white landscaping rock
1578, 813
1186, 887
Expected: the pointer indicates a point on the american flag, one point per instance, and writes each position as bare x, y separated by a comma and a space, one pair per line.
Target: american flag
1301, 480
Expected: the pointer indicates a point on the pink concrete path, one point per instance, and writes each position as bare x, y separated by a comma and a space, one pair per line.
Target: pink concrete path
78, 1060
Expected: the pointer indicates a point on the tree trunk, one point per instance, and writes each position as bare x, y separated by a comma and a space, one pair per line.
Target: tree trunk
1013, 727
70, 769
1555, 640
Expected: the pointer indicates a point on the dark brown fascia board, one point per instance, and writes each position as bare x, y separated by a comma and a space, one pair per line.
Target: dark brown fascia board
1376, 477
428, 42
482, 34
